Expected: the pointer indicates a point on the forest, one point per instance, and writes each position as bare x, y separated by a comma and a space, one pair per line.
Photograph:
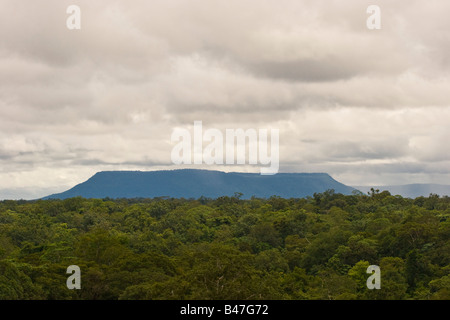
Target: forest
313, 248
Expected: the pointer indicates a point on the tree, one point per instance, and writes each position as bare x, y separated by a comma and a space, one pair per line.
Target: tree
16, 285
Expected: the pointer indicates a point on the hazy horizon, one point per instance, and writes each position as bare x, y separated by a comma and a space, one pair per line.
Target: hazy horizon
33, 194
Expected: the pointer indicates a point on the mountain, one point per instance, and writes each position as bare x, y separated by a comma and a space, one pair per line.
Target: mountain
411, 190
192, 183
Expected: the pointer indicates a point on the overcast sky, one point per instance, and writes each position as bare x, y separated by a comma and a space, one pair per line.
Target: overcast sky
369, 107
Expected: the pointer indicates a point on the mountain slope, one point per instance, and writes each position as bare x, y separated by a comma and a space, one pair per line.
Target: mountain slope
190, 183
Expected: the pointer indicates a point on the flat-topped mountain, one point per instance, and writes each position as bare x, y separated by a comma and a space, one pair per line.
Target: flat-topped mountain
193, 183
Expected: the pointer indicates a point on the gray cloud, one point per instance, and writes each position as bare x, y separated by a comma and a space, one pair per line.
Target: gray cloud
368, 107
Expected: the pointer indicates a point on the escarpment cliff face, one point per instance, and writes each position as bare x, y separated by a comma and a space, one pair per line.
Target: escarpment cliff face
192, 183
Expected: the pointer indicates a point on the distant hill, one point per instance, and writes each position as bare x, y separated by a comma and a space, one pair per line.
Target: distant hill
192, 183
26, 193
411, 190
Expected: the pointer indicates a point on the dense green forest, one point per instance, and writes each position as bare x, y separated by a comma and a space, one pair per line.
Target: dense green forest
227, 248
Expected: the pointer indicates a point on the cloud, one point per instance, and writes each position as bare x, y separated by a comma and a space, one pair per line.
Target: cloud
365, 106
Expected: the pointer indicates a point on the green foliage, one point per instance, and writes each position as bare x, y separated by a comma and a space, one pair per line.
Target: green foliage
227, 248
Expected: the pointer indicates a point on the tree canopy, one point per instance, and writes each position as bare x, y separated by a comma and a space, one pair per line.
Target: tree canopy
227, 248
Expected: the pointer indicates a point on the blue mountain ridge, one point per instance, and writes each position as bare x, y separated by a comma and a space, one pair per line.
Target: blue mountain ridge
195, 183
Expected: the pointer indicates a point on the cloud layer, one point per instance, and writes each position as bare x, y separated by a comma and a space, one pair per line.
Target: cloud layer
366, 106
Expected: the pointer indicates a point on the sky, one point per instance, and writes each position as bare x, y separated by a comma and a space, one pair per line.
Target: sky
369, 107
